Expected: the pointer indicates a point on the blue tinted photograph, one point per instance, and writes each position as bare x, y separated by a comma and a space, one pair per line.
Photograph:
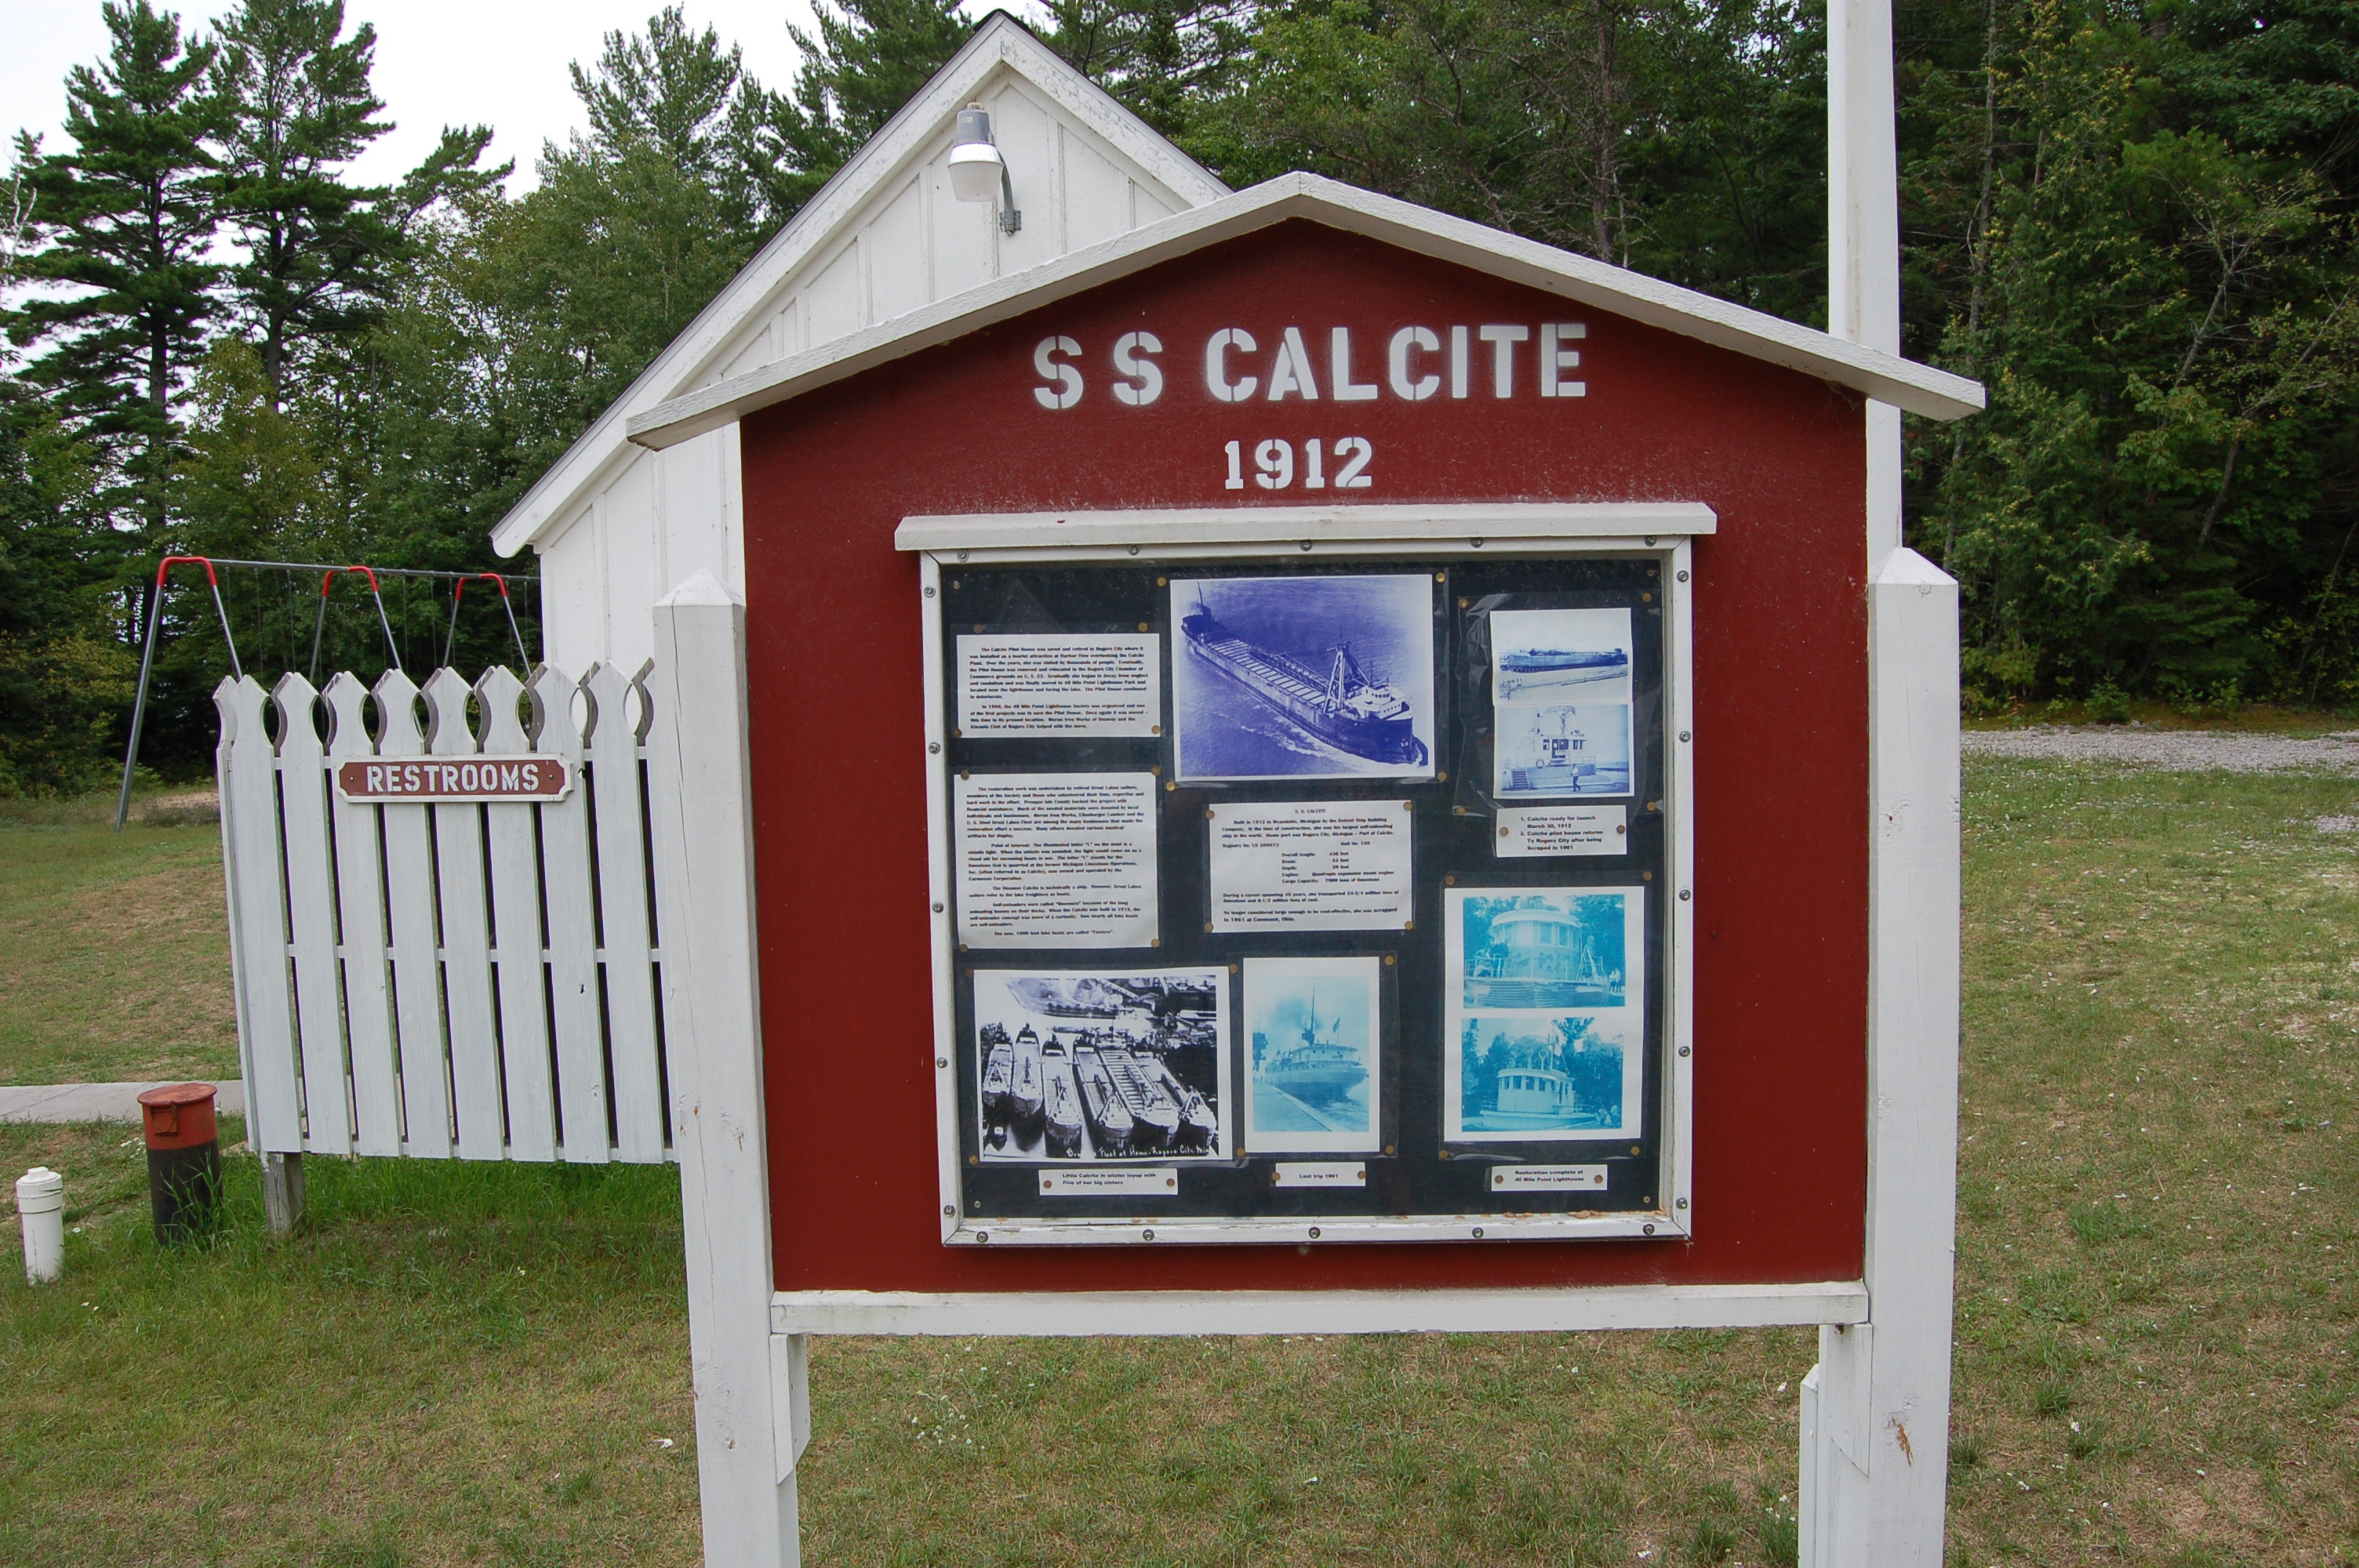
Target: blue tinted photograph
1544, 949
1548, 751
1561, 655
1311, 1055
1303, 677
1542, 1078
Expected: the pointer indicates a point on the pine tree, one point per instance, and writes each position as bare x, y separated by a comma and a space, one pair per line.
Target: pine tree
298, 109
676, 94
1165, 59
868, 58
127, 222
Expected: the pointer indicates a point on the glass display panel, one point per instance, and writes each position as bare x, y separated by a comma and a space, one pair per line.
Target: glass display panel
1332, 890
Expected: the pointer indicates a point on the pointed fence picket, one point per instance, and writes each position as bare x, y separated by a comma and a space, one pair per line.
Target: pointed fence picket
626, 905
361, 920
310, 912
426, 980
254, 859
424, 1055
572, 932
466, 936
519, 960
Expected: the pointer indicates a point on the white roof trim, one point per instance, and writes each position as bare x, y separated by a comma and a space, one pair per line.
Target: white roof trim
1475, 524
1921, 389
1000, 40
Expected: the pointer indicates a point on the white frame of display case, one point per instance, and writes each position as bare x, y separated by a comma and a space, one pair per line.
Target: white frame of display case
1657, 532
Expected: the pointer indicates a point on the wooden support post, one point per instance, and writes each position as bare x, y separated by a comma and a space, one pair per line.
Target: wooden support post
1876, 1411
282, 1191
1863, 230
747, 1380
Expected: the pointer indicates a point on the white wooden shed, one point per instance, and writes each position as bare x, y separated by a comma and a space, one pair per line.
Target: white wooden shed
615, 524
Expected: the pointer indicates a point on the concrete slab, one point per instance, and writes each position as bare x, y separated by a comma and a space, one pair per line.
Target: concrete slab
99, 1102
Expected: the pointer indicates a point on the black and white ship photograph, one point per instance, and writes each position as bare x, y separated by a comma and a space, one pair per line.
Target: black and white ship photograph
1519, 1078
1546, 749
1303, 677
1311, 1055
1544, 948
1095, 1066
1561, 656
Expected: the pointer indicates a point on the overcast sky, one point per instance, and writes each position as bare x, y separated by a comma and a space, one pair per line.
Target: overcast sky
497, 62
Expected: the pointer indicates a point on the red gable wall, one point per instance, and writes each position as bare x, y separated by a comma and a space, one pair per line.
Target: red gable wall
1781, 749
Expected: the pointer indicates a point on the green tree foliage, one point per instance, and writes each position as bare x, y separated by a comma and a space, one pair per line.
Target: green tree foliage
298, 109
126, 221
2132, 219
1166, 61
866, 58
2136, 227
1684, 139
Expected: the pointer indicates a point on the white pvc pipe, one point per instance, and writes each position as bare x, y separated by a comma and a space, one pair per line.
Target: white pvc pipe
41, 1207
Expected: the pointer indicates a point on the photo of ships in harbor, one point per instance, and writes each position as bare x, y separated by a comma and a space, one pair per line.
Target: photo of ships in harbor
1561, 655
1100, 1066
1303, 677
1312, 1056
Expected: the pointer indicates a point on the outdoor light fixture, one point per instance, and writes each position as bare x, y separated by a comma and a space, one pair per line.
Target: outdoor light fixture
977, 171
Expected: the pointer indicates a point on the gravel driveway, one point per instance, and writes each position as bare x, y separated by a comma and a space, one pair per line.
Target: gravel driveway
2180, 750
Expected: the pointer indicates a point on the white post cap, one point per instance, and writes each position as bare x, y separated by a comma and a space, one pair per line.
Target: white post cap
40, 1191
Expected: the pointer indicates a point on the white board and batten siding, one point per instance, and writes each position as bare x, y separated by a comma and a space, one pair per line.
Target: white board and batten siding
616, 523
475, 980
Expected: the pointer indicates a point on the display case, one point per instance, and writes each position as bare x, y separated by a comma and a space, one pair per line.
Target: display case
1295, 891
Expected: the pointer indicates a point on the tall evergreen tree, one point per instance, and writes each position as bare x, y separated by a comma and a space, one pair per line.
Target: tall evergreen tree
679, 95
127, 222
298, 108
1165, 59
867, 59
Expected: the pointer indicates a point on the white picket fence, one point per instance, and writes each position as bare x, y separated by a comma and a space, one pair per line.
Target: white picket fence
472, 980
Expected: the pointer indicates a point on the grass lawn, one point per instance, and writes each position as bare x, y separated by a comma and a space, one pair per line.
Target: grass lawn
2159, 1328
116, 943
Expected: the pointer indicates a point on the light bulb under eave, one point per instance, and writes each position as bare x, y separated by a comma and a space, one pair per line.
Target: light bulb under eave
978, 172
975, 169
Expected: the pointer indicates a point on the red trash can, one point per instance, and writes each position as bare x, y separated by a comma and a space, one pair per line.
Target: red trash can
184, 1177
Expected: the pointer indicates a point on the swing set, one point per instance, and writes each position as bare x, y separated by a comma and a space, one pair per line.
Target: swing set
329, 572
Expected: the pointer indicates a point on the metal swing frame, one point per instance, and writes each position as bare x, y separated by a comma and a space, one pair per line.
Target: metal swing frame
329, 572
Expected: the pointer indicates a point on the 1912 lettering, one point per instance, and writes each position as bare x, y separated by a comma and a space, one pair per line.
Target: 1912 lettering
1274, 466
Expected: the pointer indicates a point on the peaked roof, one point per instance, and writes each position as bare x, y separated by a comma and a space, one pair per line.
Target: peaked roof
1918, 388
905, 139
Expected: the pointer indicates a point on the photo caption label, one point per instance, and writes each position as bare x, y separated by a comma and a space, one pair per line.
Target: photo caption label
1547, 830
1158, 1181
1548, 1178
1320, 1174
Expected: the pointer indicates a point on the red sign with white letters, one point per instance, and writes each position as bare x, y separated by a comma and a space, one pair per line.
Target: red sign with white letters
426, 779
1302, 363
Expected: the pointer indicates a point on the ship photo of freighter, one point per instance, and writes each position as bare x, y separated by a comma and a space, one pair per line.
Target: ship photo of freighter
1547, 669
1304, 678
1100, 1066
1561, 655
1317, 1068
1312, 1067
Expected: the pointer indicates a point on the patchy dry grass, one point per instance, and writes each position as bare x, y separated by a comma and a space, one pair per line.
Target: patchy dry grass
2158, 1330
116, 943
2158, 1326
